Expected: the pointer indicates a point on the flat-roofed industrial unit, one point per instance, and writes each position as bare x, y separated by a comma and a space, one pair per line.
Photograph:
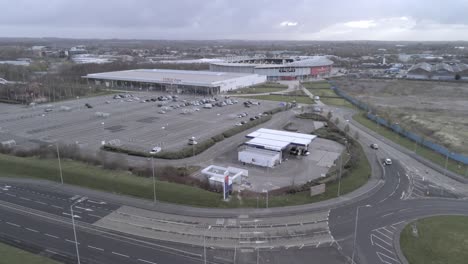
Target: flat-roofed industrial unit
266, 146
282, 138
177, 79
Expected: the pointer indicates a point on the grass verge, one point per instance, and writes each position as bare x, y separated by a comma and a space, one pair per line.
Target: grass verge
440, 239
261, 88
281, 98
14, 255
412, 146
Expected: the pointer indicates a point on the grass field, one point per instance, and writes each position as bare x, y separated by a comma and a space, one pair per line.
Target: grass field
410, 145
323, 90
440, 240
280, 98
261, 88
316, 85
11, 255
120, 182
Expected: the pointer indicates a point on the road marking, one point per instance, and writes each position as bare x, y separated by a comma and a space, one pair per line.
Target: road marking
118, 254
380, 253
86, 209
384, 234
9, 194
387, 230
32, 230
96, 202
49, 235
71, 241
387, 214
55, 206
53, 252
147, 261
39, 202
24, 198
397, 223
13, 224
74, 216
100, 249
382, 247
95, 215
381, 239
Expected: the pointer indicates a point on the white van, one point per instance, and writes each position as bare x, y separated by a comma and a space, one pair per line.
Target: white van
208, 106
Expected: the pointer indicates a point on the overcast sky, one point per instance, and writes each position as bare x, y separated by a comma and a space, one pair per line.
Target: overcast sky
237, 19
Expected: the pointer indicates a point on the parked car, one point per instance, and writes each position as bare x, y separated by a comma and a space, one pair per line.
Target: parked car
88, 105
388, 162
374, 146
155, 150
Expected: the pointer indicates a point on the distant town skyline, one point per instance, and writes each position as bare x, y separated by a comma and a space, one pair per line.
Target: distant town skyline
399, 20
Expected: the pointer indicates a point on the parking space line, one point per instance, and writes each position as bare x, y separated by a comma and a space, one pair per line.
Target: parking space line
378, 231
384, 248
119, 254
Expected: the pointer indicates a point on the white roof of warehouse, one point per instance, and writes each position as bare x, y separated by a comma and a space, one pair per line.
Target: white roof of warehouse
201, 78
278, 140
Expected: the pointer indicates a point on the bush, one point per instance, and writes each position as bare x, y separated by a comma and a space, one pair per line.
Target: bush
312, 116
218, 138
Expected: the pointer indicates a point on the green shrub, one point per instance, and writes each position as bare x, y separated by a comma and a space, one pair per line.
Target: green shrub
218, 138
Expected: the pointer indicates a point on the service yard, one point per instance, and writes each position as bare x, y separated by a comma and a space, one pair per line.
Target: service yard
129, 122
436, 110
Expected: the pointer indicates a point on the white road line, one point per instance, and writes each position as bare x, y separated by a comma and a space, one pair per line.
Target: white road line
147, 261
100, 249
382, 247
95, 215
53, 252
396, 260
381, 239
49, 235
387, 214
118, 254
13, 224
55, 206
387, 230
32, 230
397, 223
39, 202
71, 241
24, 198
9, 194
384, 234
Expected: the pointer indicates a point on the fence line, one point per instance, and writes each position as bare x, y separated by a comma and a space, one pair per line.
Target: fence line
399, 130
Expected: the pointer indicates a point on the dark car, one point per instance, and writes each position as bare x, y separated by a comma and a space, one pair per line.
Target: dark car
88, 105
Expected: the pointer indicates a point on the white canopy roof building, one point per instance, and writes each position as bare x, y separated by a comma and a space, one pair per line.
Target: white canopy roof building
265, 147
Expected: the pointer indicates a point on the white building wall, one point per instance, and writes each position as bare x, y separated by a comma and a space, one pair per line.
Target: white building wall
417, 76
259, 159
241, 82
293, 71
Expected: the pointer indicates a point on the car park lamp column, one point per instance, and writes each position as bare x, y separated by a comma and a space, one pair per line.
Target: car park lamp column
355, 230
74, 229
59, 162
266, 192
341, 167
154, 180
204, 243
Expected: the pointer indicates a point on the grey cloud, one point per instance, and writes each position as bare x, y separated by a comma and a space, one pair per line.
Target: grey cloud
207, 19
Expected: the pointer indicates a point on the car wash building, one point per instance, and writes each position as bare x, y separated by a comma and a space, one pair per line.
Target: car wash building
267, 147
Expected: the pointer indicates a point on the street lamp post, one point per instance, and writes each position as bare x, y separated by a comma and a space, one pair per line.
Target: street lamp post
204, 243
446, 163
355, 230
396, 132
74, 228
266, 192
154, 180
341, 167
59, 162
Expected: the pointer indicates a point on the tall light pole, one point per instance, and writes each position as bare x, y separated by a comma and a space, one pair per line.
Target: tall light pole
446, 163
396, 132
266, 191
355, 230
341, 167
154, 180
204, 243
74, 229
59, 162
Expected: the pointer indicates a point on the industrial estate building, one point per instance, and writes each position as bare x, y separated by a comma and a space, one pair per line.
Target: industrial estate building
266, 147
293, 68
439, 71
199, 82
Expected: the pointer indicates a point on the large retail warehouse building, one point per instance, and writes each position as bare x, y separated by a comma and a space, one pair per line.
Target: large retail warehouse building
198, 82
